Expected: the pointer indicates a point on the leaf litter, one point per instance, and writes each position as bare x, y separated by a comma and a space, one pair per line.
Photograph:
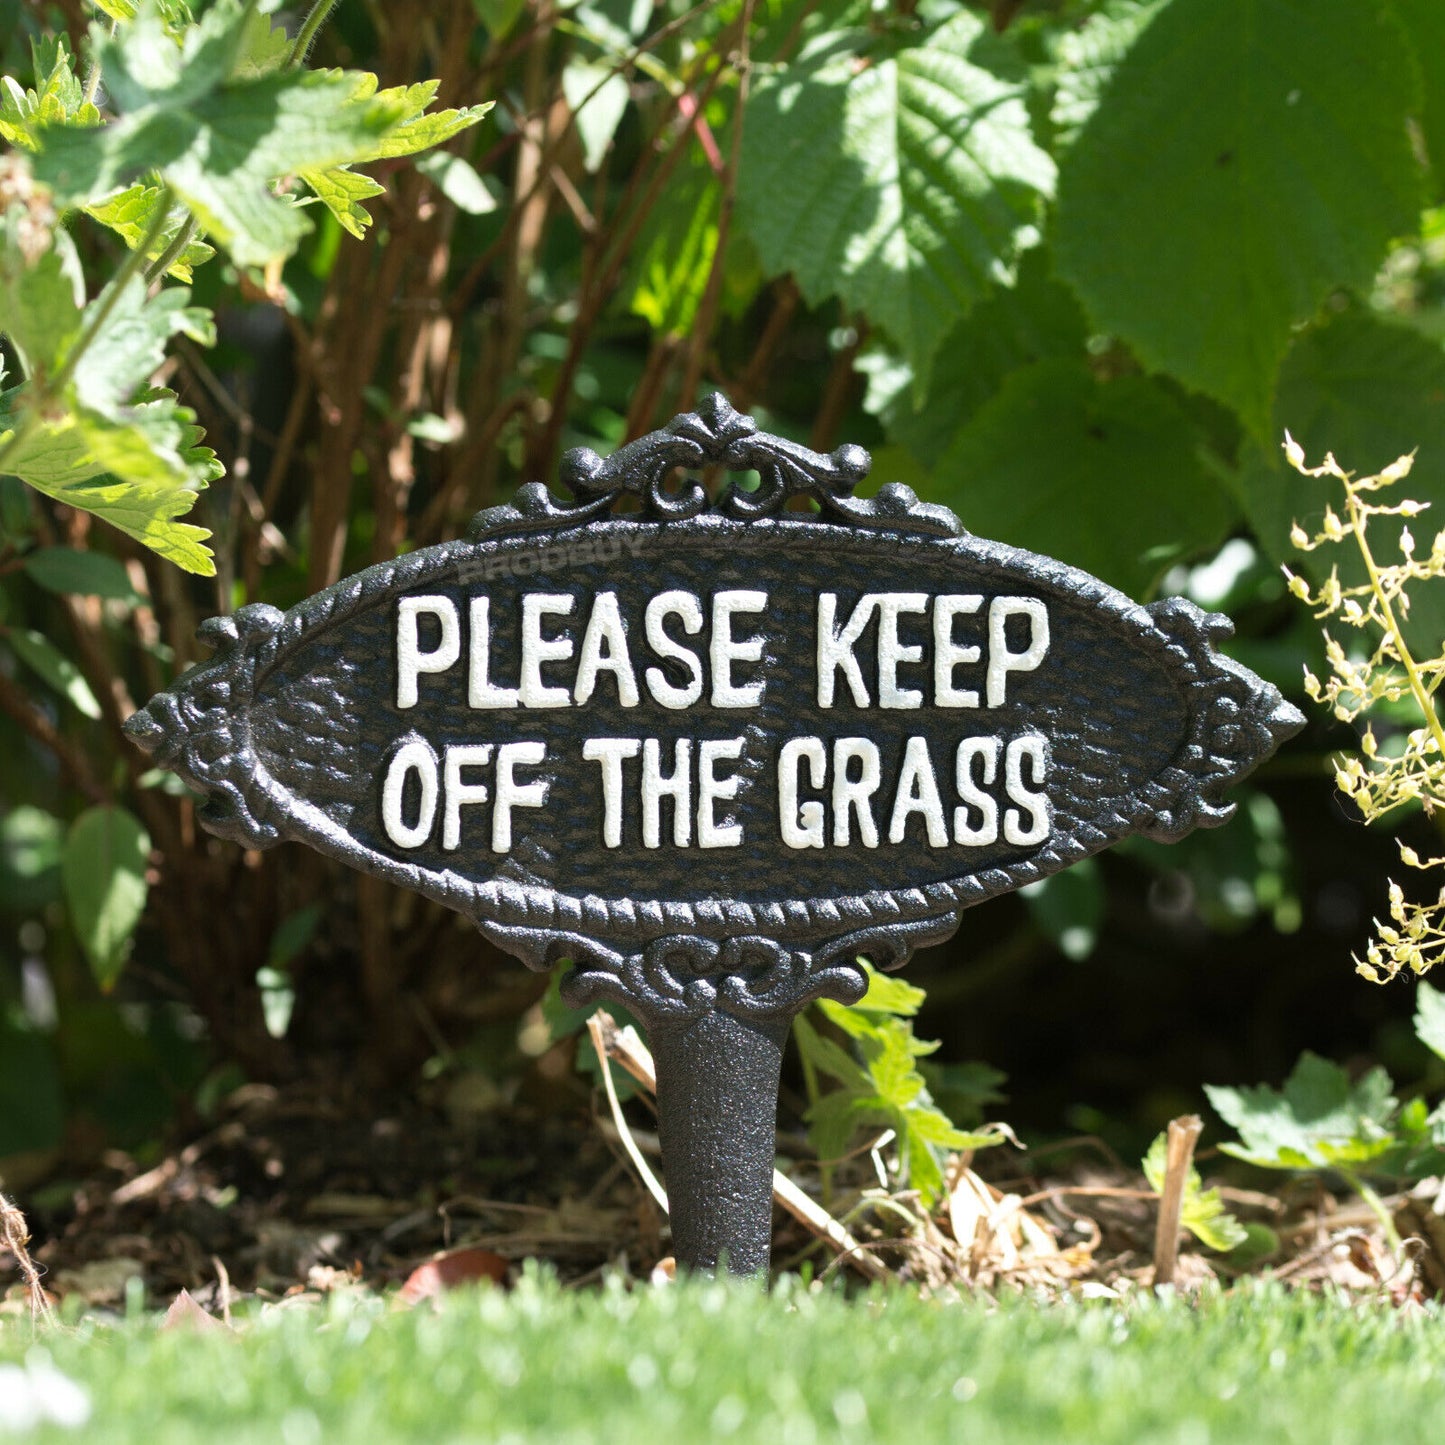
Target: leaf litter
285, 1201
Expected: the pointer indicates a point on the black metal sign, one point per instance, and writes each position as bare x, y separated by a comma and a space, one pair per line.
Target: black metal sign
711, 752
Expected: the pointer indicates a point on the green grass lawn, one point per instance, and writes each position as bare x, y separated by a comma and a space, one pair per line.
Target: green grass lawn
706, 1363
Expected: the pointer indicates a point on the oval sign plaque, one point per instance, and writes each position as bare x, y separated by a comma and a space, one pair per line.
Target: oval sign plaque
712, 752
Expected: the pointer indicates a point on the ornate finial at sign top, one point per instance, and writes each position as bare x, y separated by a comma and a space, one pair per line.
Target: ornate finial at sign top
717, 435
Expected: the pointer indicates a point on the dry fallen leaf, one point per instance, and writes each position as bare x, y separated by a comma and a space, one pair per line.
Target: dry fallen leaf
186, 1314
449, 1271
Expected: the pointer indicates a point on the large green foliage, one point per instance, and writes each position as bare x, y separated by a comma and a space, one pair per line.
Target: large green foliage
1071, 267
207, 118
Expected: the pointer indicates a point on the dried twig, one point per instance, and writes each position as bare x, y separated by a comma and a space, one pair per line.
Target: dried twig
15, 1236
626, 1048
1183, 1136
599, 1042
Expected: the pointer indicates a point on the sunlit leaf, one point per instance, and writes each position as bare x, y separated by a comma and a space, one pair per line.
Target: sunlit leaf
105, 885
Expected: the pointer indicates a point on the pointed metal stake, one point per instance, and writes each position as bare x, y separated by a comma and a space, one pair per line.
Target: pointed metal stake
717, 1102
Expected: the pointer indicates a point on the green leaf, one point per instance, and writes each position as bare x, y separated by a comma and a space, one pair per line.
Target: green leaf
598, 95
1203, 1213
673, 256
41, 301
131, 344
1424, 22
1319, 1121
137, 463
342, 191
889, 994
30, 846
1430, 1018
1249, 157
1036, 319
499, 16
138, 475
57, 99
292, 934
414, 130
130, 212
411, 130
1068, 908
104, 869
905, 182
41, 656
1054, 434
88, 574
218, 140
1087, 58
1369, 391
459, 182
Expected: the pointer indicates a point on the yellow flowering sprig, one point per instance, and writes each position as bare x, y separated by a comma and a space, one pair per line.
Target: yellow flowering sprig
1379, 781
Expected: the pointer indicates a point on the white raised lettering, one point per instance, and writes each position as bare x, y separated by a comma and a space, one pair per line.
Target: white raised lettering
851, 795
655, 788
725, 650
835, 649
1035, 750
481, 690
537, 649
411, 661
712, 789
802, 827
947, 654
457, 793
413, 757
512, 794
964, 833
686, 606
891, 652
1001, 661
604, 626
918, 793
610, 752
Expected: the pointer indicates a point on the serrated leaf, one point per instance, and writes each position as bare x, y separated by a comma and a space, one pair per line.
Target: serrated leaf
158, 466
1087, 58
130, 213
56, 99
1202, 1212
342, 191
42, 657
905, 182
65, 570
131, 343
673, 257
1053, 434
218, 140
828, 1058
414, 130
1320, 1120
103, 868
1430, 1017
1276, 124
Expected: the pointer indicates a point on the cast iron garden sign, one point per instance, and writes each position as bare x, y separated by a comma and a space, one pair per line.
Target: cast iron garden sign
712, 752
